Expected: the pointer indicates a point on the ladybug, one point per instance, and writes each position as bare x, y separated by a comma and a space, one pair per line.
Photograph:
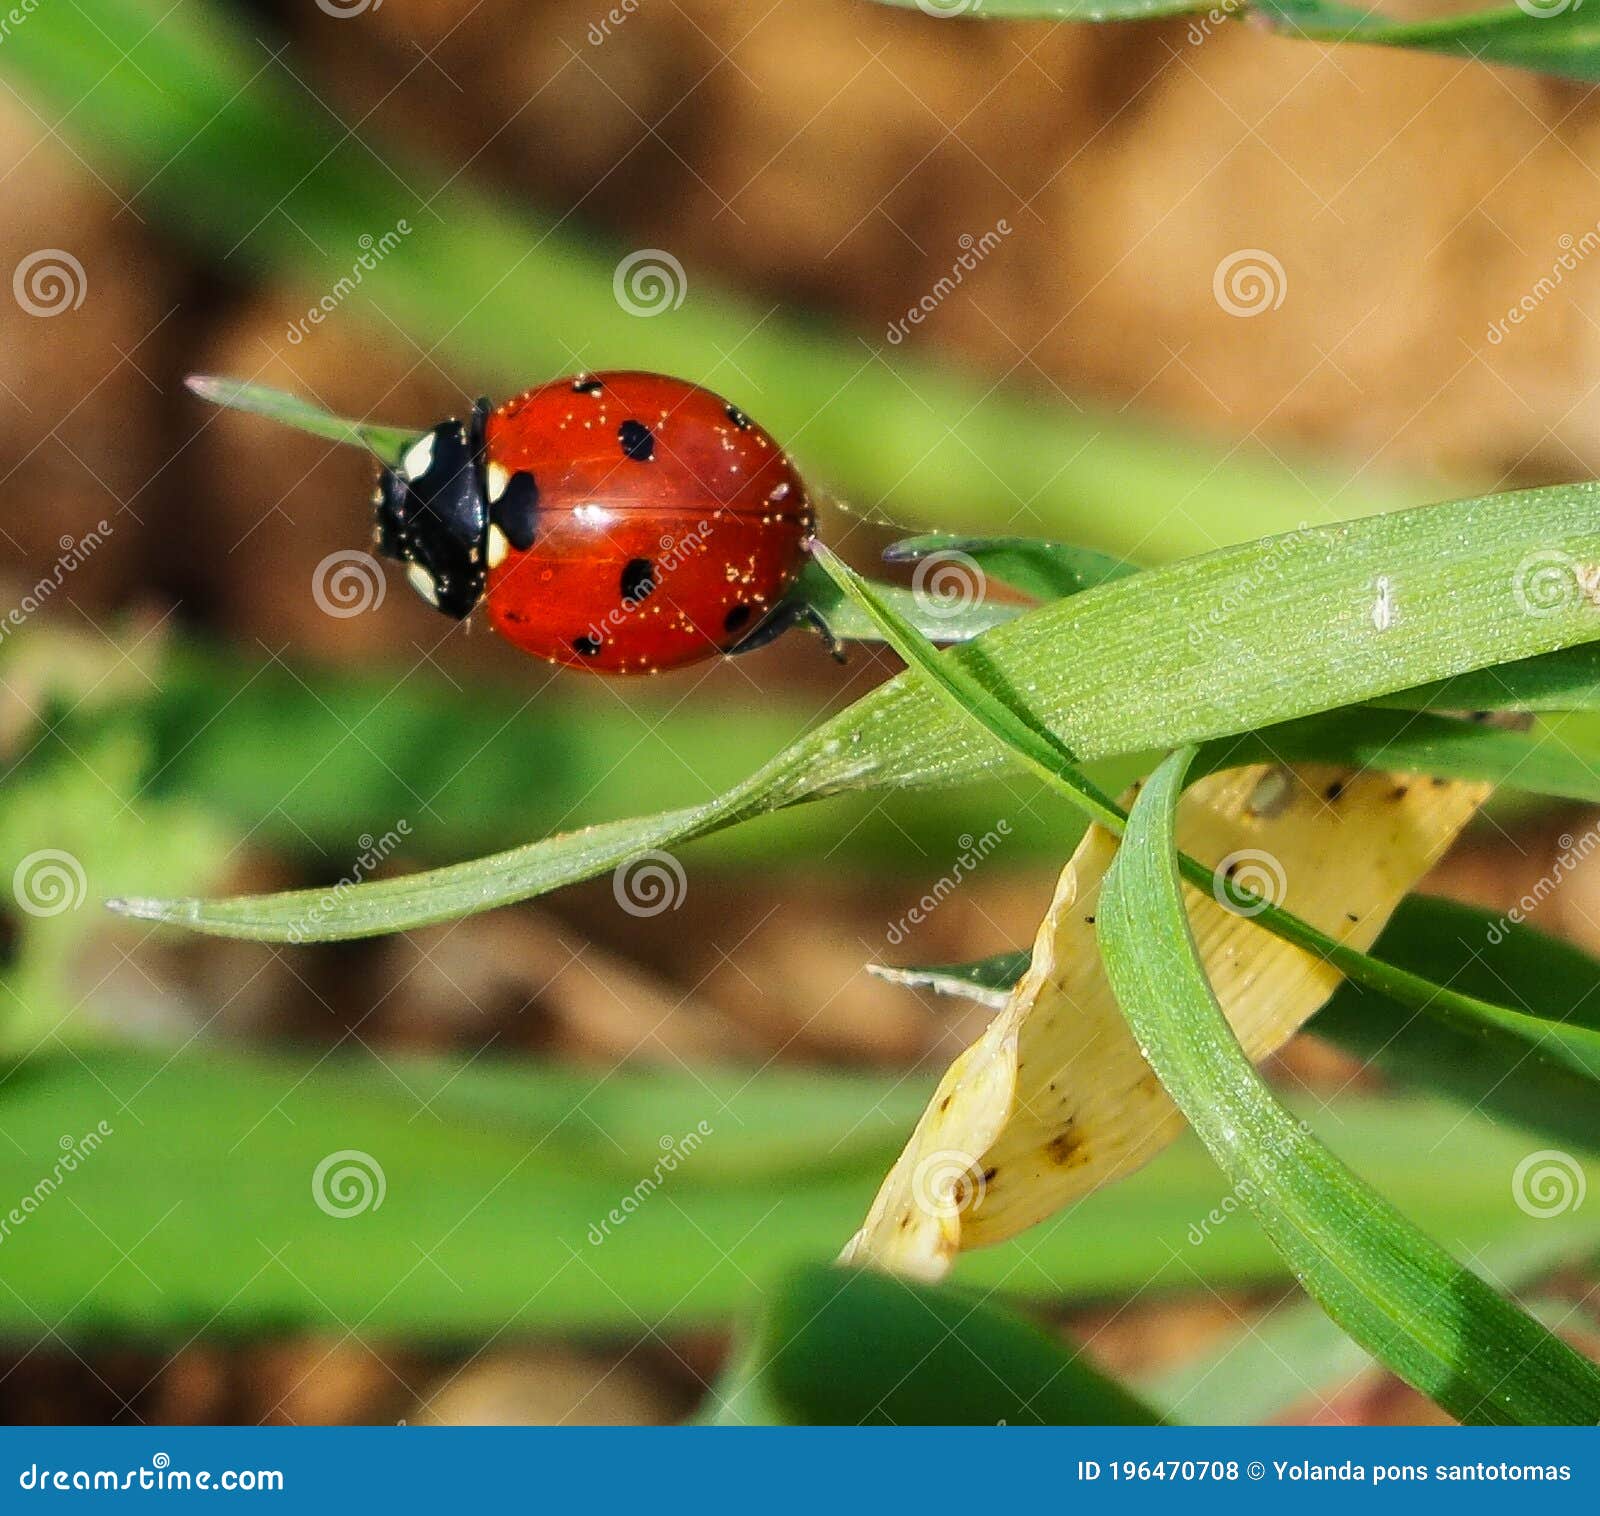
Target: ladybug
621, 522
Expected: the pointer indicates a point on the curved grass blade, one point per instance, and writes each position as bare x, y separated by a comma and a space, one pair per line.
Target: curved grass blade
1397, 1293
1481, 1067
1013, 722
1185, 652
1297, 1356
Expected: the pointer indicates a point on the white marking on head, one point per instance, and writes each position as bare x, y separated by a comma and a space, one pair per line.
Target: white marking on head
418, 458
499, 546
422, 583
498, 478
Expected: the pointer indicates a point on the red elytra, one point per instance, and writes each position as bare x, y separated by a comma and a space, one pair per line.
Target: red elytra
620, 522
665, 525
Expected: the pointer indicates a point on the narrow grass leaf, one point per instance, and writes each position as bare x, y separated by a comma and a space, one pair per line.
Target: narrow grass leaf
1397, 1293
1188, 651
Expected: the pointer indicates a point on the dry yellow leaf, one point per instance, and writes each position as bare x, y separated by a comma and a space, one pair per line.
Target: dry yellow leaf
1055, 1098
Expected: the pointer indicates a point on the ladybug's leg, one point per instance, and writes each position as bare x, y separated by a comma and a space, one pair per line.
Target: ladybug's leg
786, 616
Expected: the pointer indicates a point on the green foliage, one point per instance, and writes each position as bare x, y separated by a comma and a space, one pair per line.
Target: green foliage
198, 1212
1126, 667
851, 1348
1398, 1294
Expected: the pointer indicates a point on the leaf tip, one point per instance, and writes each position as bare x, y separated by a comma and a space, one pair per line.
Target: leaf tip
206, 386
149, 908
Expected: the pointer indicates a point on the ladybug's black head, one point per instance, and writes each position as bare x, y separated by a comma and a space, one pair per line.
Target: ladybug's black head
433, 517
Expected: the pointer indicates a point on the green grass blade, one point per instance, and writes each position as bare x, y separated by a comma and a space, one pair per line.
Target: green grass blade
847, 1347
387, 442
1398, 1294
1296, 1356
1480, 1066
1185, 652
1014, 723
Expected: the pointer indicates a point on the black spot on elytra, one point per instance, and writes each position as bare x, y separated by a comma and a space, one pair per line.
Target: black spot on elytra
516, 512
584, 384
736, 619
1334, 790
638, 441
738, 418
638, 579
586, 645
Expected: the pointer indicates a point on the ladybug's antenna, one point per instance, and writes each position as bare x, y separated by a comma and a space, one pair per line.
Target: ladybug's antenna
385, 443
